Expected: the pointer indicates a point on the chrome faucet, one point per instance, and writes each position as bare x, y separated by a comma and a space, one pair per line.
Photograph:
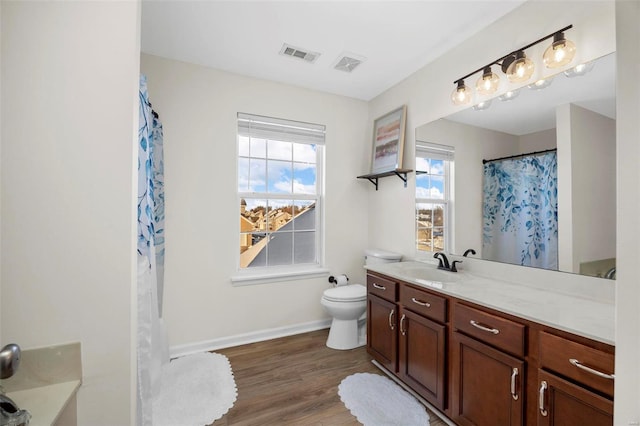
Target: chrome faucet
443, 262
611, 274
10, 414
9, 360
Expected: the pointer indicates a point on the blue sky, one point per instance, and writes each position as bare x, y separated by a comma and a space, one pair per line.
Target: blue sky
431, 184
289, 168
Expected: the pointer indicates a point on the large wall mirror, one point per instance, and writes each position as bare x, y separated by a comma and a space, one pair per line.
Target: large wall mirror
545, 194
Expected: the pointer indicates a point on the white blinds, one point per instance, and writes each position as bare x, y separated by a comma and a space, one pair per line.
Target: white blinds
437, 152
257, 126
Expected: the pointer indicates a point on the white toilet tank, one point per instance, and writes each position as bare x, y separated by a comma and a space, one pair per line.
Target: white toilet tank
373, 256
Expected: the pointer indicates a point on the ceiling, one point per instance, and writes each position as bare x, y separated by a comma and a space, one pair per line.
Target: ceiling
396, 38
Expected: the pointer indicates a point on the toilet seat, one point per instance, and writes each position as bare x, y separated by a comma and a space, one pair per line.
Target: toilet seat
347, 293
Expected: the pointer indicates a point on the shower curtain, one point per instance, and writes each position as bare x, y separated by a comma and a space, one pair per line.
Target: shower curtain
520, 211
152, 344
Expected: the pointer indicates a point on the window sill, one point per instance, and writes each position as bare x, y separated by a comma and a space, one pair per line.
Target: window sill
270, 276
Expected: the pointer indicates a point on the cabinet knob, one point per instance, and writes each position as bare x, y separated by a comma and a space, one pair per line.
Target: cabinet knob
514, 376
581, 366
391, 325
476, 324
543, 387
402, 330
420, 302
379, 287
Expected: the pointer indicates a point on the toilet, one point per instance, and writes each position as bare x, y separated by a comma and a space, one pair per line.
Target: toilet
347, 305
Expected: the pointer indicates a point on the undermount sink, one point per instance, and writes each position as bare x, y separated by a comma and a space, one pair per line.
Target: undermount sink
427, 273
10, 414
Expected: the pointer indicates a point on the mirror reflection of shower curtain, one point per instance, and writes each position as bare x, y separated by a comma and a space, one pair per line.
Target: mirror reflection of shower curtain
152, 344
520, 211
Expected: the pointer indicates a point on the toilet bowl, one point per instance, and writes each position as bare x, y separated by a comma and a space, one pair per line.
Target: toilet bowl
346, 304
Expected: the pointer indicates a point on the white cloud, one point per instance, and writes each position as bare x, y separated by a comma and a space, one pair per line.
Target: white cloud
432, 192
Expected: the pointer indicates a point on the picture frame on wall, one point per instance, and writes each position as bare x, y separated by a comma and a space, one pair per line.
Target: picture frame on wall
388, 141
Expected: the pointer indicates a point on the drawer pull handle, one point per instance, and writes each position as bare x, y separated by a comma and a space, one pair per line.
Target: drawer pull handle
543, 387
379, 287
483, 328
581, 366
514, 375
391, 325
402, 330
420, 302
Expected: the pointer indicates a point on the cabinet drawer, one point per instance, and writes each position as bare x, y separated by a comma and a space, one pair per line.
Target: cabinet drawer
424, 303
588, 366
492, 329
382, 287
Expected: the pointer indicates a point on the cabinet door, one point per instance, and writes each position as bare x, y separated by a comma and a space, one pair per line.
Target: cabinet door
422, 356
382, 343
562, 403
487, 384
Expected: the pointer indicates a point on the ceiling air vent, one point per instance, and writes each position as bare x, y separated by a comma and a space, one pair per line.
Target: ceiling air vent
348, 62
296, 52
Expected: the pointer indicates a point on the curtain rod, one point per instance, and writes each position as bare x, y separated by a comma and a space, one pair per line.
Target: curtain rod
519, 155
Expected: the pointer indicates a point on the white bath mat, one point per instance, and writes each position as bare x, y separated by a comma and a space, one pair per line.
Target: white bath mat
377, 401
196, 390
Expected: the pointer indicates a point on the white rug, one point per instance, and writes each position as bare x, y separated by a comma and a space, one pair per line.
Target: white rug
376, 401
196, 390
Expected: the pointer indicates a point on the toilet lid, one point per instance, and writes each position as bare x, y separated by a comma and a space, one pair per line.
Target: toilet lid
346, 293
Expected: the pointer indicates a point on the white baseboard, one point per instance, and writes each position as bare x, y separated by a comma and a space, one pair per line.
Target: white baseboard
245, 338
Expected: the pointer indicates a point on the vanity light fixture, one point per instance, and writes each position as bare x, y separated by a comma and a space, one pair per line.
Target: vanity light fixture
541, 84
511, 94
520, 69
560, 53
579, 70
482, 105
488, 83
461, 94
517, 67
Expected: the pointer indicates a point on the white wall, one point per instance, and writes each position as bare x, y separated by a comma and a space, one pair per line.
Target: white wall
627, 405
472, 144
537, 141
198, 107
586, 183
69, 117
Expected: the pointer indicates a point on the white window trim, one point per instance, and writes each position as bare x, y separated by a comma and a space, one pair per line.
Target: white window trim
271, 274
423, 149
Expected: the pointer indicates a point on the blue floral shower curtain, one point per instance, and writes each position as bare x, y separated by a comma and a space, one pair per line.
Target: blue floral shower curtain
152, 344
151, 187
520, 211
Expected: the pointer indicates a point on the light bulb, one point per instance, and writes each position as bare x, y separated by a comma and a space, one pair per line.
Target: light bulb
560, 53
541, 84
579, 70
461, 94
488, 83
521, 69
511, 94
482, 105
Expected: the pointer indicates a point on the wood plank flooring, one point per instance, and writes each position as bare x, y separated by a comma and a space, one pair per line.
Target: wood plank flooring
294, 381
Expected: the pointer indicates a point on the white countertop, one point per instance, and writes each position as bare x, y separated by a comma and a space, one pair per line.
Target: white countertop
584, 316
45, 403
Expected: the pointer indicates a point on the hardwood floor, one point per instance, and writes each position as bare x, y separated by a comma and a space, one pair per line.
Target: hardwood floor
294, 381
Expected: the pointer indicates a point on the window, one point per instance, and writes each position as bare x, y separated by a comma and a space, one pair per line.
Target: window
279, 192
434, 165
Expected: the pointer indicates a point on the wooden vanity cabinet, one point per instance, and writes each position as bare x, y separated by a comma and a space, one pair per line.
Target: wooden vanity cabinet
575, 383
422, 343
487, 371
483, 367
382, 319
